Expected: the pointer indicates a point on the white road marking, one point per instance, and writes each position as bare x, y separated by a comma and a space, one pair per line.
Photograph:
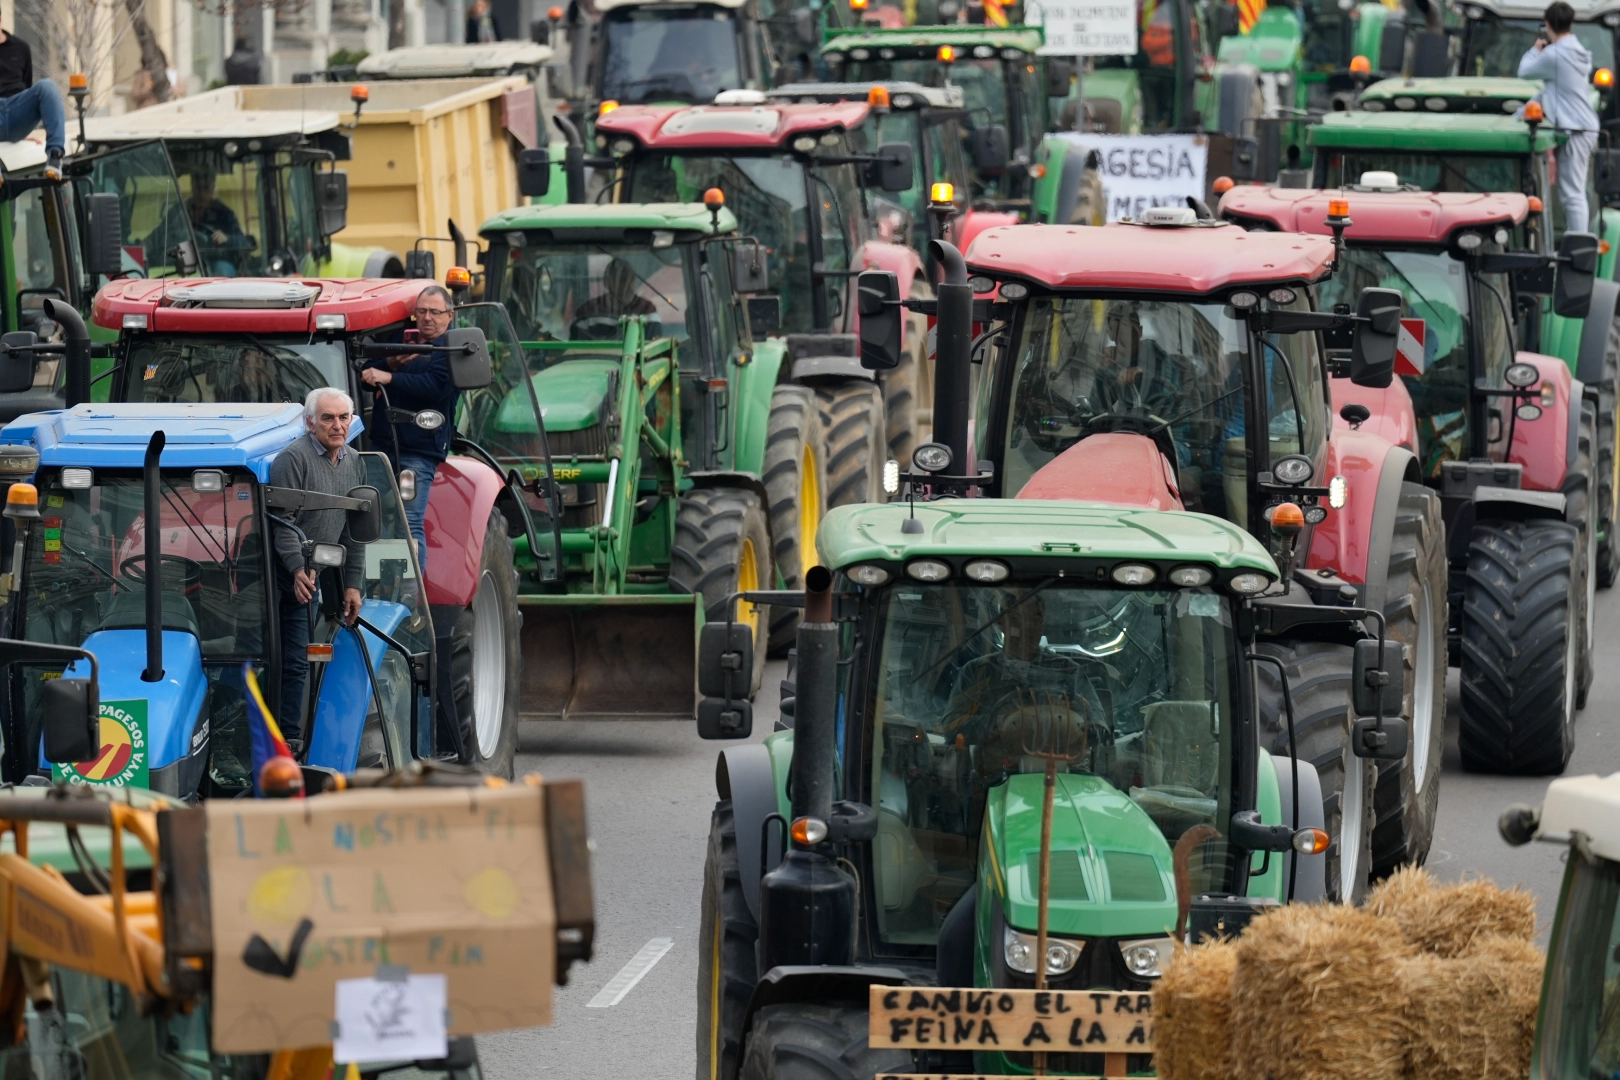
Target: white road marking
632, 973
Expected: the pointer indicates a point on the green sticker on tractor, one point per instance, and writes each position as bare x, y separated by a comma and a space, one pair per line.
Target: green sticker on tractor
123, 759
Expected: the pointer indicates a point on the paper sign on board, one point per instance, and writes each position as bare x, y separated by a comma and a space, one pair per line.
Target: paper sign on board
1140, 172
1086, 27
390, 1019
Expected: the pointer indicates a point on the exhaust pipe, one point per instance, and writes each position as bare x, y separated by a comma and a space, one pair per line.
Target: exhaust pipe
154, 559
76, 363
573, 158
953, 369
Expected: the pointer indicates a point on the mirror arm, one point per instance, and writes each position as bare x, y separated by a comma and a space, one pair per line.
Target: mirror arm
1505, 262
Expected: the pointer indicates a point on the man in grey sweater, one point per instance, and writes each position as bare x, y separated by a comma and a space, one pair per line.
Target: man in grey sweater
322, 462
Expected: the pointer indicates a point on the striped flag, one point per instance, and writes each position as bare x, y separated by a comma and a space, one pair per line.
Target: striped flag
1249, 13
266, 736
995, 12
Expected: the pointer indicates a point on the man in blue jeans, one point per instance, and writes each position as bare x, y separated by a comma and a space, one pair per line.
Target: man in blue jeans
416, 381
24, 104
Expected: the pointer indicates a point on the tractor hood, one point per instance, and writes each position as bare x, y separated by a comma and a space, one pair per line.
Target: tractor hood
1111, 867
572, 396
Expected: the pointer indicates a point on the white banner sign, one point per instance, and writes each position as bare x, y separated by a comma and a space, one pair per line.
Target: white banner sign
1088, 27
1143, 171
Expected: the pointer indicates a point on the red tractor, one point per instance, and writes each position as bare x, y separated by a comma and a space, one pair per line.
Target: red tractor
1505, 437
1206, 344
251, 340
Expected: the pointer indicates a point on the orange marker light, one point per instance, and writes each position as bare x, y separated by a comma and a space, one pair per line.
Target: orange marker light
281, 778
858, 5
714, 198
606, 107
1036, 171
1338, 208
22, 501
1360, 65
1533, 113
1287, 517
317, 653
808, 831
554, 13
947, 54
1535, 204
359, 92
1223, 184
1602, 78
1603, 247
78, 81
878, 97
942, 194
1310, 841
457, 277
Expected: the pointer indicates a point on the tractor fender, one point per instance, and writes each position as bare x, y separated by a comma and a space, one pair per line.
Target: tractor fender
1545, 445
1516, 504
1393, 416
744, 775
1355, 539
384, 264
751, 387
1311, 885
459, 504
905, 265
819, 984
1595, 332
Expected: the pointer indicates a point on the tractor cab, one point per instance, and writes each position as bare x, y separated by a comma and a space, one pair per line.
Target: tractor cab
1497, 33
645, 53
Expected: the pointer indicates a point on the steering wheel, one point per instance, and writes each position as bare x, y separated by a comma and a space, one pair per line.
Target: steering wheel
189, 571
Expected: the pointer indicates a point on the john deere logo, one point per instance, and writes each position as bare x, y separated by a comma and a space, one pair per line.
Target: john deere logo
122, 759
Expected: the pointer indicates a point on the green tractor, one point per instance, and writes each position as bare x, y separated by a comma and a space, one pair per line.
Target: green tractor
1496, 34
1021, 750
1459, 134
684, 466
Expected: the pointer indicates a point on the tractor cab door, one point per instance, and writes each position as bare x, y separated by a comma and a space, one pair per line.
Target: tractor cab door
502, 424
153, 217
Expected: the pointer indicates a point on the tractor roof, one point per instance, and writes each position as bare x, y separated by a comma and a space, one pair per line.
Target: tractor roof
17, 156
1023, 38
200, 435
607, 222
1419, 217
193, 119
902, 95
448, 61
727, 127
1437, 133
1585, 10
262, 305
1010, 528
1137, 258
1586, 804
1492, 95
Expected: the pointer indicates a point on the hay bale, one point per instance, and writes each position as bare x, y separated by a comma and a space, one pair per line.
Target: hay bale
1446, 920
1316, 993
1192, 1023
1475, 1015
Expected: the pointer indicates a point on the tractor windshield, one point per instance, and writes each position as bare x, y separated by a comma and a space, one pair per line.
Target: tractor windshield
578, 292
1493, 46
253, 215
1173, 370
242, 368
654, 54
1431, 172
1435, 287
1580, 1018
1135, 689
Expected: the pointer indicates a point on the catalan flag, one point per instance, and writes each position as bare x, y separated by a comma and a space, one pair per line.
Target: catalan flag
995, 12
266, 735
1249, 13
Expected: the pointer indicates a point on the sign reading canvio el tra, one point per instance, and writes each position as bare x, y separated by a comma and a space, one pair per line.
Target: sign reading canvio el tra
305, 893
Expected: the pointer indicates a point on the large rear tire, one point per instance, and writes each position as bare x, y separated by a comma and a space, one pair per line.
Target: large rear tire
796, 484
1319, 683
908, 390
726, 966
1580, 482
486, 658
1520, 648
1408, 791
722, 547
852, 418
1608, 460
817, 1042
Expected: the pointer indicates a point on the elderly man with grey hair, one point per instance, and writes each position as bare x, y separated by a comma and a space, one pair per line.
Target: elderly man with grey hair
321, 462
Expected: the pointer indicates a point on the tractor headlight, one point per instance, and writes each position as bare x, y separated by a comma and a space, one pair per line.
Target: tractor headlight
868, 574
1019, 951
1148, 958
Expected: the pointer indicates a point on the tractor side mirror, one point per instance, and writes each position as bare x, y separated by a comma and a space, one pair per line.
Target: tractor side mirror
750, 267
1577, 270
72, 710
1381, 743
1372, 346
990, 148
895, 168
1059, 74
1373, 686
104, 244
469, 370
879, 292
1245, 156
332, 200
725, 662
420, 264
534, 172
1606, 172
17, 363
365, 522
764, 315
1392, 46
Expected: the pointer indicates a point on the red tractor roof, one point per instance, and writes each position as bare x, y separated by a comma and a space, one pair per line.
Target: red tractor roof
262, 305
1419, 217
731, 127
1138, 258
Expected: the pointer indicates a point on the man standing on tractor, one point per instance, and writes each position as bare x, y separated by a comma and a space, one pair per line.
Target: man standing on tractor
25, 103
1559, 58
322, 464
415, 382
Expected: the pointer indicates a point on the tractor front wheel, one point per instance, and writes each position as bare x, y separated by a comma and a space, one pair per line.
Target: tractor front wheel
726, 966
721, 547
485, 661
796, 484
817, 1042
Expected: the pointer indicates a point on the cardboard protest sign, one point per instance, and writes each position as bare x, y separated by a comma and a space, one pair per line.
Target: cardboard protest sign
1018, 1021
1139, 172
385, 884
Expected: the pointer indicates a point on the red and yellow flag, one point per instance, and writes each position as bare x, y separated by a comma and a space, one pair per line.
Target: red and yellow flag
1249, 13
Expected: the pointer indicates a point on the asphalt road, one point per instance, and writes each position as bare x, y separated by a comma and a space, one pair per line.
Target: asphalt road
650, 787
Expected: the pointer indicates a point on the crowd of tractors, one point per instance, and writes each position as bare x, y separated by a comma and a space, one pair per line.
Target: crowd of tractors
1118, 567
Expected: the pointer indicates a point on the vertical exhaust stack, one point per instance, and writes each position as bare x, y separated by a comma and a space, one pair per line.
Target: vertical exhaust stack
953, 368
807, 904
154, 560
76, 363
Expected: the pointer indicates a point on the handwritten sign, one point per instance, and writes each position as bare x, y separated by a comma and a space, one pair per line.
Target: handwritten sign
1139, 172
305, 893
1087, 27
932, 1018
390, 1019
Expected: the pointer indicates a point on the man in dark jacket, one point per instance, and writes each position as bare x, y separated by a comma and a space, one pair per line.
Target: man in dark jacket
25, 104
417, 381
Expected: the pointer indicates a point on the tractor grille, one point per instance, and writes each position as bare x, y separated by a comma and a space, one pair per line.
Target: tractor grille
588, 442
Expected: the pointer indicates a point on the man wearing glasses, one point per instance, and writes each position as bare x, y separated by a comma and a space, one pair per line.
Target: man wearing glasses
416, 381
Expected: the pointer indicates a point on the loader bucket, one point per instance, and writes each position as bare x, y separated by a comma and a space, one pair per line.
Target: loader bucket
609, 657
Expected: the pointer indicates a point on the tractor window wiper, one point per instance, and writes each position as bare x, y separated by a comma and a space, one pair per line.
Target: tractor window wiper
639, 278
184, 509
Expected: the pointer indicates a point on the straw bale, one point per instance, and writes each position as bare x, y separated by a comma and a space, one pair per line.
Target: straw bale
1192, 1024
1317, 995
1447, 919
1473, 1016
